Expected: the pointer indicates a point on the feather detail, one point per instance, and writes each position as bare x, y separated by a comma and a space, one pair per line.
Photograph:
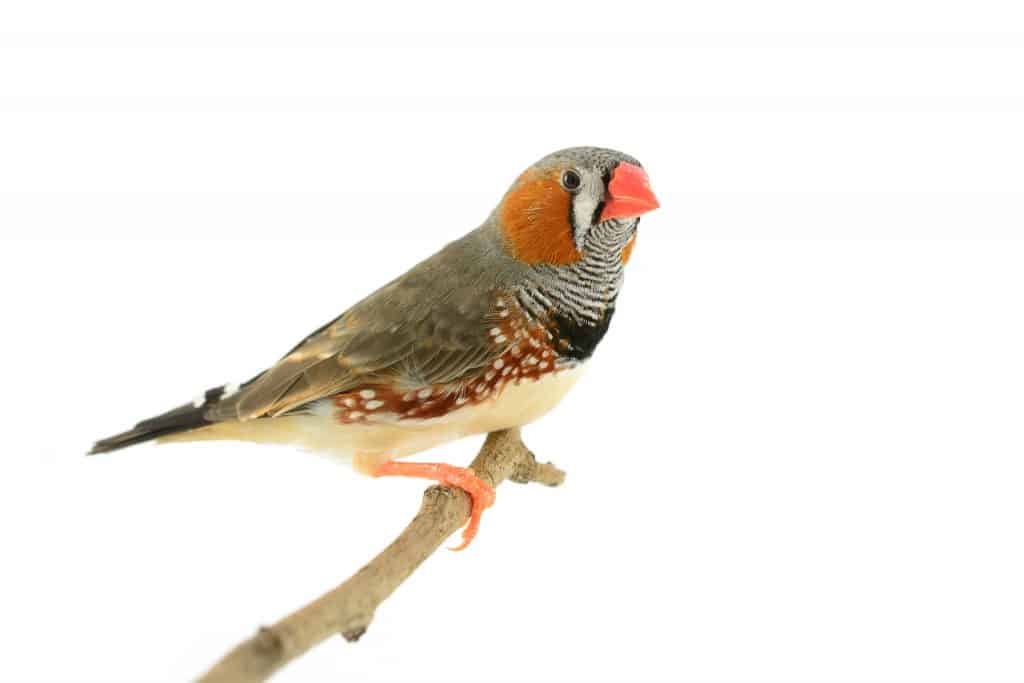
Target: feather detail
535, 219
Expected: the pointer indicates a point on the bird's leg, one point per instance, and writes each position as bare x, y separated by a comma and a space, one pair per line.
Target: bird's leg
480, 492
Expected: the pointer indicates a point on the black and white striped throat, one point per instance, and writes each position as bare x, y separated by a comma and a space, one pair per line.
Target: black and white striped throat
584, 291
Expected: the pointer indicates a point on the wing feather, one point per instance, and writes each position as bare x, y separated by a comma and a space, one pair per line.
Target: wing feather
421, 329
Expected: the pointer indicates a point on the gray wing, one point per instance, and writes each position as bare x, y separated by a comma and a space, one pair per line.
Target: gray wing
427, 327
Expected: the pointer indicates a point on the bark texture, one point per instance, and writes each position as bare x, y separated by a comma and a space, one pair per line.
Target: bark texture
348, 609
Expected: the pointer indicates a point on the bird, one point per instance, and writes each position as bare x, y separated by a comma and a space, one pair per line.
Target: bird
489, 333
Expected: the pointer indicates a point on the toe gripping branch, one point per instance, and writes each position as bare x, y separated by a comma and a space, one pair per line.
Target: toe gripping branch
480, 492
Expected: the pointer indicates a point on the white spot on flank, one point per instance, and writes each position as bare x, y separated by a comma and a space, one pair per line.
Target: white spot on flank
373, 405
368, 393
230, 390
480, 388
506, 371
515, 350
461, 400
350, 402
503, 313
409, 396
355, 415
495, 331
500, 339
534, 343
530, 360
489, 376
543, 365
499, 364
425, 393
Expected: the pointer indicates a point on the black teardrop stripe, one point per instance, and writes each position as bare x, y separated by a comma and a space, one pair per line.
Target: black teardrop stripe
577, 340
606, 179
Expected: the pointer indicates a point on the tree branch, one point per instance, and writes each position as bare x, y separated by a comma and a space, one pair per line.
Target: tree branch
349, 608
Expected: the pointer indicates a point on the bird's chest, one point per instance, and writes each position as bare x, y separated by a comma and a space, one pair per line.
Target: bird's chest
578, 340
536, 362
575, 307
517, 404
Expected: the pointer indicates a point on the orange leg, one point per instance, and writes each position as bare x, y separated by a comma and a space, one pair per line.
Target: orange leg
464, 478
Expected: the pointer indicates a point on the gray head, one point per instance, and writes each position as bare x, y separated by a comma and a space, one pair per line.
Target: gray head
551, 213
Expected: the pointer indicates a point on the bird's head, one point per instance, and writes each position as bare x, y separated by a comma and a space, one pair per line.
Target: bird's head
572, 202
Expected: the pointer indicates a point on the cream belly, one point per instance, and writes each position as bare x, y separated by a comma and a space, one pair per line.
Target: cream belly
321, 432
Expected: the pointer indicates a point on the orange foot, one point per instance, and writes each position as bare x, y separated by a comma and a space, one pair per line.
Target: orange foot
464, 478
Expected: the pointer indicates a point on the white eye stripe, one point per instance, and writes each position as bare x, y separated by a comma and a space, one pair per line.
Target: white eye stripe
584, 204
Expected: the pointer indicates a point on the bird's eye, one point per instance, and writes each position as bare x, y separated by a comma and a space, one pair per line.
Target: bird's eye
571, 180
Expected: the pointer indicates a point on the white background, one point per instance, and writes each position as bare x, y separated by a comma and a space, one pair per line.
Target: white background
797, 456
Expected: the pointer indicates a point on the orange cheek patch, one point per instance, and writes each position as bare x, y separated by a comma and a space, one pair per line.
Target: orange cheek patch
535, 220
627, 251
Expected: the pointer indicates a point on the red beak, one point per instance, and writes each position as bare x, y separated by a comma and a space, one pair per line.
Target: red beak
629, 193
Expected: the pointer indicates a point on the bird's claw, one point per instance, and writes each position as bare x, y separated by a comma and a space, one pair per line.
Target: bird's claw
480, 492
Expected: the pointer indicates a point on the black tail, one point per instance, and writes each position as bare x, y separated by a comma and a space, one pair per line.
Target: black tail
181, 419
